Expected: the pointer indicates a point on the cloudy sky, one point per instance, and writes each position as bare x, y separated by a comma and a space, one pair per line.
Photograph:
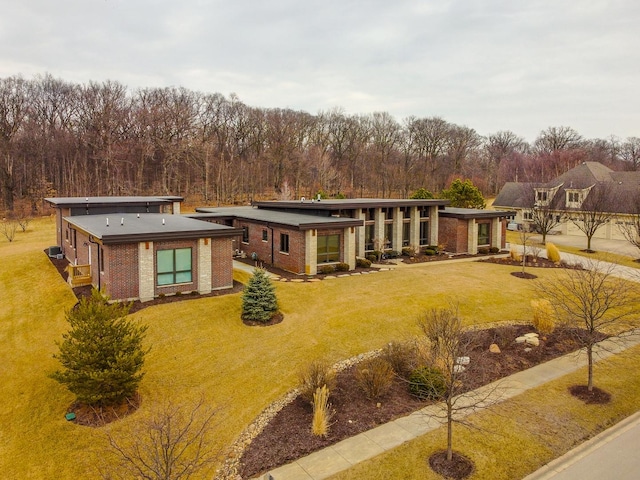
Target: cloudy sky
488, 64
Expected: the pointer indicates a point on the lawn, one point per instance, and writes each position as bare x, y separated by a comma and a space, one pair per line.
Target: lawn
201, 348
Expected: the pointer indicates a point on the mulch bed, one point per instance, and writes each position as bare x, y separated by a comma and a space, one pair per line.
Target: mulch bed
288, 436
457, 468
593, 397
94, 416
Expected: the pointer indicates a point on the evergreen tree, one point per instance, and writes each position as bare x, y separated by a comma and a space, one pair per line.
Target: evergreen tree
259, 302
421, 193
464, 195
102, 354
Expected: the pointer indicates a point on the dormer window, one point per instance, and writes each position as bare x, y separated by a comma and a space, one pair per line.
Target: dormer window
575, 197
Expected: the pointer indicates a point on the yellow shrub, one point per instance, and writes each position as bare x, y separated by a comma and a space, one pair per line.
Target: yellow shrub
543, 316
321, 412
553, 253
515, 255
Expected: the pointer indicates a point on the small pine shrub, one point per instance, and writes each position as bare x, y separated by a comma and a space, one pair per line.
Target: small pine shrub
543, 316
342, 267
402, 356
429, 252
326, 269
427, 383
553, 253
363, 262
317, 374
374, 376
494, 250
372, 258
321, 412
259, 302
483, 250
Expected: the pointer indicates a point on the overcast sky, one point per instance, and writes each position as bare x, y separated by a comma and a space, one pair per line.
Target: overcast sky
488, 64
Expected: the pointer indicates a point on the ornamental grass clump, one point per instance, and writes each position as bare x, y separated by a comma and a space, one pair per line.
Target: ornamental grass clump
543, 316
318, 374
259, 302
374, 376
427, 383
553, 253
321, 412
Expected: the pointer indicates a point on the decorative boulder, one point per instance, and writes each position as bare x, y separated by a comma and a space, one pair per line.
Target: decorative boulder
521, 339
494, 348
533, 341
463, 360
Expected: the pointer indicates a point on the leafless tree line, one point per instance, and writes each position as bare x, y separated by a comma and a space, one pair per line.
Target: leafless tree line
61, 138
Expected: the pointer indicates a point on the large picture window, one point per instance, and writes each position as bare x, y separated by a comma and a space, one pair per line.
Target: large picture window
424, 233
483, 234
328, 248
174, 266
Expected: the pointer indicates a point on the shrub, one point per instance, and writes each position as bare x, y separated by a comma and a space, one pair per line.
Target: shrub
483, 250
321, 412
342, 267
372, 258
178, 293
393, 254
494, 250
317, 374
377, 254
259, 302
429, 252
407, 252
427, 383
326, 269
515, 256
435, 248
374, 376
543, 316
402, 356
553, 253
363, 262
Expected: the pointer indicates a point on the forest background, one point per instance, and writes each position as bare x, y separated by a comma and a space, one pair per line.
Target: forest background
63, 139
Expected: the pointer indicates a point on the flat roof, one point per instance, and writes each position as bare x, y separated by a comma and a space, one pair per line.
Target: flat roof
453, 212
347, 203
132, 227
100, 201
299, 221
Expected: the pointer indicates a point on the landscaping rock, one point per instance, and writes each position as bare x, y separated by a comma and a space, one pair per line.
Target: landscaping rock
463, 361
494, 348
521, 339
531, 335
458, 368
533, 341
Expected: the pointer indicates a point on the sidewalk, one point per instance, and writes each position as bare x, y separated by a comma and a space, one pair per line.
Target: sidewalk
343, 455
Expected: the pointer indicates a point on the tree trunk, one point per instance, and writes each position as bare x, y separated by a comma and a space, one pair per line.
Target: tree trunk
449, 430
590, 367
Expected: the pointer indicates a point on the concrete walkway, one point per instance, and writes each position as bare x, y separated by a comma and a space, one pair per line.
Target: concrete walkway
343, 455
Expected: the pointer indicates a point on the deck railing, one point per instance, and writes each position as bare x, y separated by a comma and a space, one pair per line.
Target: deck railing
79, 275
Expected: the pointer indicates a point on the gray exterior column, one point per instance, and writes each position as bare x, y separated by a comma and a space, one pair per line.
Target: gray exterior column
146, 272
360, 234
204, 266
472, 237
414, 231
496, 232
378, 230
311, 252
433, 225
396, 241
349, 247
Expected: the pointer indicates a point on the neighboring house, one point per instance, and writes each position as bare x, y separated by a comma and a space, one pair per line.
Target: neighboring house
130, 254
567, 194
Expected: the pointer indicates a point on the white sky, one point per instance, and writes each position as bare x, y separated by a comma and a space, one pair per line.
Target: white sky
488, 64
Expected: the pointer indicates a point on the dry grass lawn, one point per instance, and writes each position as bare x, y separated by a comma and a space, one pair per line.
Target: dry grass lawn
201, 348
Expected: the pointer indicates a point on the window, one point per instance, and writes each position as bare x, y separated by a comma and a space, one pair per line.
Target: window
424, 233
245, 234
527, 216
483, 234
574, 197
328, 248
406, 231
284, 243
368, 237
265, 235
388, 234
424, 212
541, 196
174, 266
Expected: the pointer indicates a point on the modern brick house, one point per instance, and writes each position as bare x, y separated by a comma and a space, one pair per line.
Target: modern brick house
299, 236
142, 255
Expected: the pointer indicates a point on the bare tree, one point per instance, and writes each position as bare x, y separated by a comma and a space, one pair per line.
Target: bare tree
542, 217
630, 152
172, 444
630, 225
594, 211
449, 348
557, 138
592, 299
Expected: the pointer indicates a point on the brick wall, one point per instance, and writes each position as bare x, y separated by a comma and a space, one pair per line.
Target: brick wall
120, 278
452, 233
221, 263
